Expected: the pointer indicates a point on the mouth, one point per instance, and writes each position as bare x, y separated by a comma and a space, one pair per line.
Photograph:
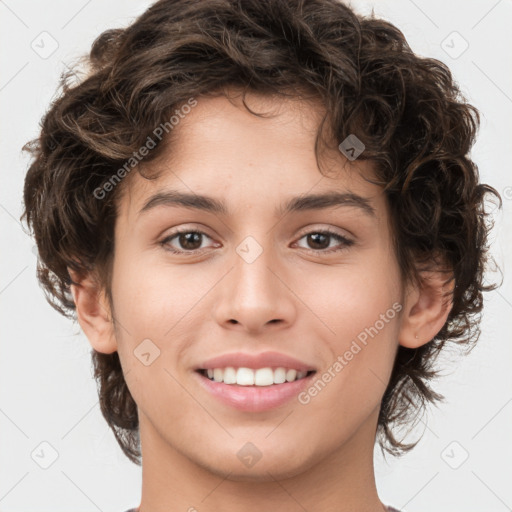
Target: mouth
251, 390
261, 377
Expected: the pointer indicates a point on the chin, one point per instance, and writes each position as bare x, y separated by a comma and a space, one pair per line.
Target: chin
266, 469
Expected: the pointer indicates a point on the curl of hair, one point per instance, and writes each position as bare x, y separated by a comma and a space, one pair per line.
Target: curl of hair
407, 110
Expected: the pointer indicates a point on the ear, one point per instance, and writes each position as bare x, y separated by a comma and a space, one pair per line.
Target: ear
93, 312
426, 309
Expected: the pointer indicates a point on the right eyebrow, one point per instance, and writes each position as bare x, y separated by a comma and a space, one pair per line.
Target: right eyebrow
326, 200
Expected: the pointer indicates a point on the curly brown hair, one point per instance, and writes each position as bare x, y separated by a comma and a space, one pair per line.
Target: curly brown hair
407, 110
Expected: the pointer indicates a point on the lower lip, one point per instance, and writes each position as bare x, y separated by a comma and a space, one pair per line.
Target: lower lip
254, 398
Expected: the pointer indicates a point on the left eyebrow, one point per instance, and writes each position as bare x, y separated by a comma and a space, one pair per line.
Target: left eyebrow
295, 204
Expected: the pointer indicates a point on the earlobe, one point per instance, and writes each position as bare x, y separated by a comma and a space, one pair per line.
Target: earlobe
426, 310
93, 313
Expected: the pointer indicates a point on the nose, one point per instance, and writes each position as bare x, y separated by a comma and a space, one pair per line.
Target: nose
256, 295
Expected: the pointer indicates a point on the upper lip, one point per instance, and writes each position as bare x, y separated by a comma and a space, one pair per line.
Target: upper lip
255, 361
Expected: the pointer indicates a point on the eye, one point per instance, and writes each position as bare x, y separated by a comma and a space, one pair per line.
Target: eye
320, 241
190, 241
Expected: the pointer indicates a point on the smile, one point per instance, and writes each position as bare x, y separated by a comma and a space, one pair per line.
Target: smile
254, 377
246, 395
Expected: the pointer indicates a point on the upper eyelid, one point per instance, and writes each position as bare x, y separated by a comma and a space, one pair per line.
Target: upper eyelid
310, 229
306, 231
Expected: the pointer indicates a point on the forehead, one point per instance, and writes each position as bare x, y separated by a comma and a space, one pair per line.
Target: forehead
220, 149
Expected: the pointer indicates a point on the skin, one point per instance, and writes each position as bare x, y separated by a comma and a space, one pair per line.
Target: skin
310, 305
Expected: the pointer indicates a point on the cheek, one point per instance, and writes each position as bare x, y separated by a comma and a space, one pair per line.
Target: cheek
351, 299
360, 305
152, 297
152, 304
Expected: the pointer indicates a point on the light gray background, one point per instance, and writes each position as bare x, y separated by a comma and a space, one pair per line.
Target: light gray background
47, 393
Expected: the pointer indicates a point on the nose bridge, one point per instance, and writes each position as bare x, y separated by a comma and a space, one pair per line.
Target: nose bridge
255, 282
254, 293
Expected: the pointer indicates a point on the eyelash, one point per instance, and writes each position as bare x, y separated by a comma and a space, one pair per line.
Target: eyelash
345, 241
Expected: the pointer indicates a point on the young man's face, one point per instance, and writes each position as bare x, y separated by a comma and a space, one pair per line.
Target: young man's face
255, 282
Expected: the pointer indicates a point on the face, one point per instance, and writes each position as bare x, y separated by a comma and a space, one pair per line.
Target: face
318, 283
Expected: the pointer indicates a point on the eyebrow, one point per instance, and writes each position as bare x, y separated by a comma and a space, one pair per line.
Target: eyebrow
295, 204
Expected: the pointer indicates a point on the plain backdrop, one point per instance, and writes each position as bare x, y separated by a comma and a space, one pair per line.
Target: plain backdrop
48, 402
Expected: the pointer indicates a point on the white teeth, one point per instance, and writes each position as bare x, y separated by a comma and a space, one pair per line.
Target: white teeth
279, 375
263, 377
249, 377
290, 375
245, 377
229, 375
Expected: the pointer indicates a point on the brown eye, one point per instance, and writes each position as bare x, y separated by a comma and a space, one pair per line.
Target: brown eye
186, 240
190, 240
319, 241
